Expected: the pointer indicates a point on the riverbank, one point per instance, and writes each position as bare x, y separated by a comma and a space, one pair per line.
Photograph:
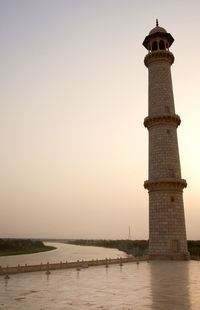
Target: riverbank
31, 251
10, 247
131, 247
134, 247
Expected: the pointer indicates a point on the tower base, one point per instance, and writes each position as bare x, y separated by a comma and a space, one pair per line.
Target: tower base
170, 256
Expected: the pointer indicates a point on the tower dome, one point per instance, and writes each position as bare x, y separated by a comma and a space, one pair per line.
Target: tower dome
156, 34
157, 29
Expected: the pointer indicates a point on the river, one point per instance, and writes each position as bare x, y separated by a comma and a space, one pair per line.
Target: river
167, 285
64, 252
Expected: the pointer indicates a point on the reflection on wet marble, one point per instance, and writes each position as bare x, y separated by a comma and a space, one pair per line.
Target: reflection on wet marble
170, 285
152, 286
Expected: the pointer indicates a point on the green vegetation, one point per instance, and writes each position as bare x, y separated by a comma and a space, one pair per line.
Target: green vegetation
194, 248
133, 247
22, 246
136, 247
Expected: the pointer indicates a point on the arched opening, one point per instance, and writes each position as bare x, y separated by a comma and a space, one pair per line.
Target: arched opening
155, 46
162, 45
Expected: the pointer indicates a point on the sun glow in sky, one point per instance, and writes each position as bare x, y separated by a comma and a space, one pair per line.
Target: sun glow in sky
74, 91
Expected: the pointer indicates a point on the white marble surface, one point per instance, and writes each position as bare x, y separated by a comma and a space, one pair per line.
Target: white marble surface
151, 286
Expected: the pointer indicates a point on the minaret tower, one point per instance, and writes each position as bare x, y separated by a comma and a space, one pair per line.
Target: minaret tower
167, 234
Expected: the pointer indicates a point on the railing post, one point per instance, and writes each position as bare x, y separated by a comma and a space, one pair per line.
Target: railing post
77, 266
48, 271
7, 271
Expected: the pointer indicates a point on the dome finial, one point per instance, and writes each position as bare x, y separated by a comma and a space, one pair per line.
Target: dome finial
156, 22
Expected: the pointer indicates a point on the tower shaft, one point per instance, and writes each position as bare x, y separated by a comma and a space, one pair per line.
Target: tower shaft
167, 233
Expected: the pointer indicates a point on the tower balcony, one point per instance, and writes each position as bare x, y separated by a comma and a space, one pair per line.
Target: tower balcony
165, 184
162, 119
157, 56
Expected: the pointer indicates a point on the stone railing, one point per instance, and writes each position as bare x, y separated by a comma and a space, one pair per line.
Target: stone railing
63, 265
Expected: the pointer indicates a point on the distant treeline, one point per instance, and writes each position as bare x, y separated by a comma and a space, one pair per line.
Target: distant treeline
134, 247
16, 244
194, 247
22, 246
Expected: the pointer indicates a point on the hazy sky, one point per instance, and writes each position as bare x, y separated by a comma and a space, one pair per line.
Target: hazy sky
73, 87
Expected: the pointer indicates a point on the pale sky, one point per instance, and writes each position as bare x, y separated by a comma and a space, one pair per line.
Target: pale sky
74, 91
